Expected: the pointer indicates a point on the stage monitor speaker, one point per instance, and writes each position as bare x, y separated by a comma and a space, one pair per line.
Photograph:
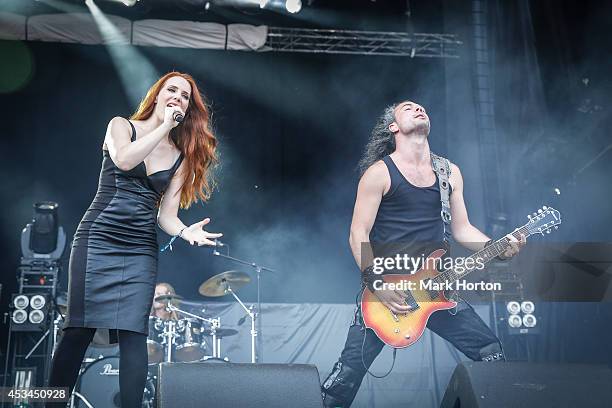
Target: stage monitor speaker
528, 385
235, 385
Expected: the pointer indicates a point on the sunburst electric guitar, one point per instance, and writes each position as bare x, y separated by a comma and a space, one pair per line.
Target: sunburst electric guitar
402, 330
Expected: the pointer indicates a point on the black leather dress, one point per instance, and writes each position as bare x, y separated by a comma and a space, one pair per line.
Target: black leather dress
113, 263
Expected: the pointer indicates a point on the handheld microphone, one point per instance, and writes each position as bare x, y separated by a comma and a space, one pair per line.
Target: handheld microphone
178, 117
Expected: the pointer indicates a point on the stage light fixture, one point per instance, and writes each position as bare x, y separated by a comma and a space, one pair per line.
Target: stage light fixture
43, 237
30, 312
36, 316
527, 307
19, 316
21, 302
513, 307
515, 321
37, 302
263, 3
293, 6
521, 318
529, 320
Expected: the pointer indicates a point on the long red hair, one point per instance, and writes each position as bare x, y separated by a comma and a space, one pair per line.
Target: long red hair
193, 137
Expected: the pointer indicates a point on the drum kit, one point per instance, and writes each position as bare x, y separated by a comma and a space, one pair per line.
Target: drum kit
185, 339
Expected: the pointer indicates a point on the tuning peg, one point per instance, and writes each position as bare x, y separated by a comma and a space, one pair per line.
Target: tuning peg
534, 214
548, 231
556, 227
529, 216
544, 207
540, 211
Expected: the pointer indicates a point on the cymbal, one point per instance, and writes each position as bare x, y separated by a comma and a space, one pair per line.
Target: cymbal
217, 285
222, 332
167, 298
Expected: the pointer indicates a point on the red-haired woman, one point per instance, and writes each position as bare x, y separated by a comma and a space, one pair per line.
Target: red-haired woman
149, 161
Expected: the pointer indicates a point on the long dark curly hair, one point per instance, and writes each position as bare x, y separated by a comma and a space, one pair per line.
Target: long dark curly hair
381, 142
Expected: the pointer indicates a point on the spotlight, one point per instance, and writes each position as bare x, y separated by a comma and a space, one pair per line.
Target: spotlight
43, 238
37, 316
527, 307
529, 320
129, 3
263, 3
37, 302
515, 321
293, 6
20, 316
513, 307
21, 302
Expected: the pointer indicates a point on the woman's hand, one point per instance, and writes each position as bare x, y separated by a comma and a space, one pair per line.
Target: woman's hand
169, 116
195, 234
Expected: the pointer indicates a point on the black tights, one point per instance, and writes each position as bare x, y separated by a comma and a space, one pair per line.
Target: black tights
132, 363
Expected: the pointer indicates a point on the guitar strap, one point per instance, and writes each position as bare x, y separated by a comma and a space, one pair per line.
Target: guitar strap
441, 166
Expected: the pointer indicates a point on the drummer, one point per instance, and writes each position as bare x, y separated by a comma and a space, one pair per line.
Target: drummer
159, 309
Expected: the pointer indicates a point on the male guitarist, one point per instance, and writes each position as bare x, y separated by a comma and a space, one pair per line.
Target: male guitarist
399, 200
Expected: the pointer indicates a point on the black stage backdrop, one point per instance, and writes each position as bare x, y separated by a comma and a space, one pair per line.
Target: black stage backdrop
292, 128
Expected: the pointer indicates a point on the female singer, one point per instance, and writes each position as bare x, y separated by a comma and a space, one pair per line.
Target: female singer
153, 163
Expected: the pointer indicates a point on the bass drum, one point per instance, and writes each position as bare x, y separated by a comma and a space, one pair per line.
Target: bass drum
99, 386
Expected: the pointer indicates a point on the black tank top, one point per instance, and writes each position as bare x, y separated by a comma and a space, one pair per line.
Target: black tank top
407, 214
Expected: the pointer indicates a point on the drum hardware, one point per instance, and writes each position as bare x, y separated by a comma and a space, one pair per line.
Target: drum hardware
214, 323
252, 313
167, 298
223, 332
169, 335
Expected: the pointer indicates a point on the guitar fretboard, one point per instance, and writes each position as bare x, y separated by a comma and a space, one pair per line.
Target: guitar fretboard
486, 255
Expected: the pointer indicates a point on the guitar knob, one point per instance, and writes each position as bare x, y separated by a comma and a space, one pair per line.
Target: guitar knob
407, 336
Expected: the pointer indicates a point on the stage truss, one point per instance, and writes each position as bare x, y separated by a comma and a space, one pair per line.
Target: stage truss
328, 41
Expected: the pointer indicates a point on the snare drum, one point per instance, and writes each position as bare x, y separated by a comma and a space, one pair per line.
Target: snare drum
190, 345
155, 350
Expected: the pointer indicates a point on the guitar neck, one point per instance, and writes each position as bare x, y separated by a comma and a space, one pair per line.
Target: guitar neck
485, 255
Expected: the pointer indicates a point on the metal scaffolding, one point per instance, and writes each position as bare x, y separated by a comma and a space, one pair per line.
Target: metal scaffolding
327, 41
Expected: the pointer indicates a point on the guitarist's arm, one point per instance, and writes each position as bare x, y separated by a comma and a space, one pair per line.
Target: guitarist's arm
374, 183
463, 231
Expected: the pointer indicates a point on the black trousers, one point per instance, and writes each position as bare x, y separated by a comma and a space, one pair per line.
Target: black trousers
461, 326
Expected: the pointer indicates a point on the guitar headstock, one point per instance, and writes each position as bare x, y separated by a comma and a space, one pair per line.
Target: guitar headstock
542, 221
